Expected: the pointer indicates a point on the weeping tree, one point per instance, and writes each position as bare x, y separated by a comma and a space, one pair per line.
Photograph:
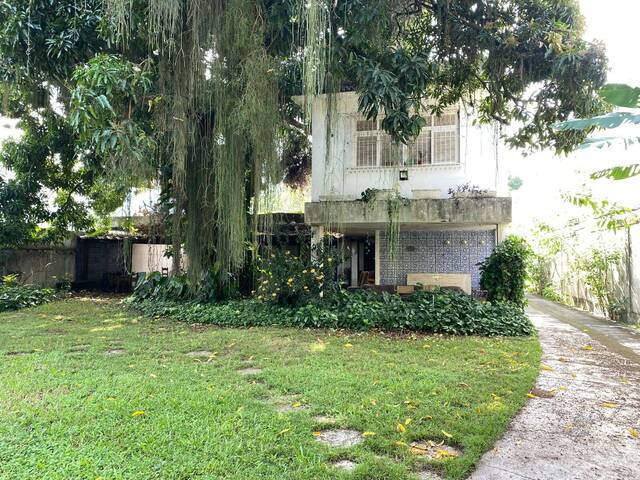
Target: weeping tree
208, 110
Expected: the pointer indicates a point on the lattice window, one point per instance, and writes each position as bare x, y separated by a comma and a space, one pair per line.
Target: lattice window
391, 153
437, 144
418, 151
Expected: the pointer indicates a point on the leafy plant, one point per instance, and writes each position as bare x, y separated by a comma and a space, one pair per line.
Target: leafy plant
14, 296
437, 311
287, 279
467, 190
596, 269
504, 272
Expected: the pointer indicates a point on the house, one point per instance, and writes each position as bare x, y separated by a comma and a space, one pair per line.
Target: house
407, 212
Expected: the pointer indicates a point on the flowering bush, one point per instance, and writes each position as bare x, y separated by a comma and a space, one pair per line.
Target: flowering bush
288, 279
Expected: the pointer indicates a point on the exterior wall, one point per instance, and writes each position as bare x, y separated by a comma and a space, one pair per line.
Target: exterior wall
149, 258
97, 258
336, 176
40, 266
442, 251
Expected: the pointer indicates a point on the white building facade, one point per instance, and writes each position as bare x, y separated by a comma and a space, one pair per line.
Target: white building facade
357, 168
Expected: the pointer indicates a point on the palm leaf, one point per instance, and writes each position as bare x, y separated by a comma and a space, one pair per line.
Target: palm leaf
621, 172
621, 95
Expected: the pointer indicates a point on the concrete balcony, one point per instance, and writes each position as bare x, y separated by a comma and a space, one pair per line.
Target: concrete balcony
415, 213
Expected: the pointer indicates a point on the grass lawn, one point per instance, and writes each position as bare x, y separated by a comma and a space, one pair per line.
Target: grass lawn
90, 390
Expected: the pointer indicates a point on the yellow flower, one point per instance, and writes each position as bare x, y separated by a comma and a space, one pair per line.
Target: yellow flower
274, 295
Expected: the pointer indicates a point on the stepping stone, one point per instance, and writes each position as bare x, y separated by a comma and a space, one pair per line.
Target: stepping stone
114, 351
346, 465
433, 450
14, 354
325, 420
249, 371
200, 354
340, 438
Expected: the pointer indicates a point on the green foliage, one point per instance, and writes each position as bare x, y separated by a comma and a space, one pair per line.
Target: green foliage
105, 110
14, 296
55, 180
550, 293
515, 183
596, 267
547, 243
617, 95
608, 215
287, 279
504, 272
440, 311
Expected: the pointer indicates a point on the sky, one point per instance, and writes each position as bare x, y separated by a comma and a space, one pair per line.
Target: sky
546, 176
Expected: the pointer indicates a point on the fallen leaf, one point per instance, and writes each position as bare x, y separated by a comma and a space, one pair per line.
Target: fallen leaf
348, 345
401, 428
137, 413
282, 432
446, 434
368, 434
546, 367
531, 395
374, 402
609, 405
296, 405
317, 434
407, 422
634, 433
587, 347
401, 444
442, 453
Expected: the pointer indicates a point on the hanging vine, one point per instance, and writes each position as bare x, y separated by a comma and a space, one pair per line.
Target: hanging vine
218, 122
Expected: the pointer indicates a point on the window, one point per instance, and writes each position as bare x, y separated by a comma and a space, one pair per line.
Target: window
437, 144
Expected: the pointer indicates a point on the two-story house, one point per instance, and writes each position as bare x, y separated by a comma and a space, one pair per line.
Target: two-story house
442, 237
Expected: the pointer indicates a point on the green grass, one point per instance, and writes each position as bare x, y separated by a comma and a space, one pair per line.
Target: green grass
66, 414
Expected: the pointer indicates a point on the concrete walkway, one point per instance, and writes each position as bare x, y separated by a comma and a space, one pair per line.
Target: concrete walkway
591, 371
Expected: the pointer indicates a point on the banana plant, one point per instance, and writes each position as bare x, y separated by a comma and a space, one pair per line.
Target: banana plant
617, 95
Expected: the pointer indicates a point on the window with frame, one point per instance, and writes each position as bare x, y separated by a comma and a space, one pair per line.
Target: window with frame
437, 144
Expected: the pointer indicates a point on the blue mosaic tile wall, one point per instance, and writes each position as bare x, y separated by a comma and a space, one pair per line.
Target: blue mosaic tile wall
445, 251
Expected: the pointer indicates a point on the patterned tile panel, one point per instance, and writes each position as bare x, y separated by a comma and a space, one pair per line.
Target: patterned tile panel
446, 251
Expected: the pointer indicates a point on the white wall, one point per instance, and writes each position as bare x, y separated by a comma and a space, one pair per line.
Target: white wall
336, 177
149, 258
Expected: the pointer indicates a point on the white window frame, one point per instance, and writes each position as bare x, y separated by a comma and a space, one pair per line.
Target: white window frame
380, 135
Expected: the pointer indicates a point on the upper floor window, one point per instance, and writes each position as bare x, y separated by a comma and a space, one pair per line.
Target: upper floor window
437, 144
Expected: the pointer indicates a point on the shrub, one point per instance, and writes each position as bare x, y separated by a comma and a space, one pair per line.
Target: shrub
596, 268
14, 296
293, 280
438, 311
504, 272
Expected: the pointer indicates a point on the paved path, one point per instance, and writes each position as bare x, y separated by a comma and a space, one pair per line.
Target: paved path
583, 432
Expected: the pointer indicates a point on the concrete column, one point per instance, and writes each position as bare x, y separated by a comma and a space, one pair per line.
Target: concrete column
317, 233
377, 257
354, 263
